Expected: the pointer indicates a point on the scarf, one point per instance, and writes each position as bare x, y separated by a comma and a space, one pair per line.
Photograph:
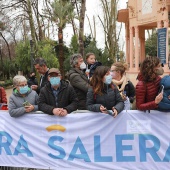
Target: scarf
122, 82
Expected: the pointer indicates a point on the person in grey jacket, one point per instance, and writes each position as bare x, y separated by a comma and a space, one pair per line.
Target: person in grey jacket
79, 79
23, 99
103, 94
58, 96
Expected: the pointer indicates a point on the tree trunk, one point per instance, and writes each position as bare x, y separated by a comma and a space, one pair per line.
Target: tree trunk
61, 51
81, 27
7, 45
40, 32
31, 22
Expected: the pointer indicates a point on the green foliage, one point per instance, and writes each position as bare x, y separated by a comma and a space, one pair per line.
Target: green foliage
61, 12
9, 68
45, 49
87, 40
151, 45
6, 83
74, 44
106, 60
92, 48
23, 56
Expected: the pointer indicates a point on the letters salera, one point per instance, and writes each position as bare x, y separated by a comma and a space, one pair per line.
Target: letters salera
89, 140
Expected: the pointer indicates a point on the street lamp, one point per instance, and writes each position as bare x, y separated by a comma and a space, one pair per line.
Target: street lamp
31, 52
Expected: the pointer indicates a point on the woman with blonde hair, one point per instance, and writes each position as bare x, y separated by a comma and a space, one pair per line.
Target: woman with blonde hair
124, 85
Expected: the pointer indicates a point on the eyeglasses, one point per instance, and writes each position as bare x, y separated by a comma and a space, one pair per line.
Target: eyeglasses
22, 85
112, 70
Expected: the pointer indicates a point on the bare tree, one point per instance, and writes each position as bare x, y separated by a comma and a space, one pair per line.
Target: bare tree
110, 27
81, 27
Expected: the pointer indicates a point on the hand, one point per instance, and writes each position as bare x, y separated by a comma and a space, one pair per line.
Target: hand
63, 112
29, 108
115, 112
103, 109
34, 87
59, 111
124, 97
87, 71
159, 97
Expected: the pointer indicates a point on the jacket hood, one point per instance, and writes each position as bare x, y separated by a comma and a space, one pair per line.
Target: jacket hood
140, 77
95, 65
74, 70
165, 82
16, 93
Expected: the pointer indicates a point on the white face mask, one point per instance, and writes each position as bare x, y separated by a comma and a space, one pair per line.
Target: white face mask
113, 74
82, 66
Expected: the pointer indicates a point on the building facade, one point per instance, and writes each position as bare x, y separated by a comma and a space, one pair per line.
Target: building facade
139, 16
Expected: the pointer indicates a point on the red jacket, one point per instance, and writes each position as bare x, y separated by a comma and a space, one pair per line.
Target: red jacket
146, 93
3, 98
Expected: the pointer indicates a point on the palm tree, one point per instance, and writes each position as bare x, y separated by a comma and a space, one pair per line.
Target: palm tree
61, 12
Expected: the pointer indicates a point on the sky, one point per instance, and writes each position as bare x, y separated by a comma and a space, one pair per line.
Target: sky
93, 8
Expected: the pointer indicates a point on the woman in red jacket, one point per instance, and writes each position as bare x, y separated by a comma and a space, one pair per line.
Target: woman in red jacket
147, 97
3, 98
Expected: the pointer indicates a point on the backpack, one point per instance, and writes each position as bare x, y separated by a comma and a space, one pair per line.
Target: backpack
164, 105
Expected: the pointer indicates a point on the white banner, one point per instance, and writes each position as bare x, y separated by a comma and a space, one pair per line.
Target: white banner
92, 141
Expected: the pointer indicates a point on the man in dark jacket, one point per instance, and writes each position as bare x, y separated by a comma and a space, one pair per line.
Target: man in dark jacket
41, 67
57, 97
78, 79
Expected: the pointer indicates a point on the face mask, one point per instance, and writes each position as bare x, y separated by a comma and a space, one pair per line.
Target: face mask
108, 79
55, 81
23, 90
82, 66
33, 77
159, 71
113, 74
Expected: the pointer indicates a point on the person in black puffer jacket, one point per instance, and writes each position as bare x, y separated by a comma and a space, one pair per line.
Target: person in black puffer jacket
103, 94
58, 96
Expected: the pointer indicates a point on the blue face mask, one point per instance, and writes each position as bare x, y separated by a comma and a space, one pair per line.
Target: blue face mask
23, 90
108, 79
55, 81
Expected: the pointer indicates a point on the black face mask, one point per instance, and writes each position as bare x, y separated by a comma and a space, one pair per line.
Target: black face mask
33, 77
159, 71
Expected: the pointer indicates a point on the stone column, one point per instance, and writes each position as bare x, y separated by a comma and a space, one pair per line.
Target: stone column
131, 48
127, 43
136, 48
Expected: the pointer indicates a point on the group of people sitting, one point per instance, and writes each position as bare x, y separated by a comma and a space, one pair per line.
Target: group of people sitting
90, 86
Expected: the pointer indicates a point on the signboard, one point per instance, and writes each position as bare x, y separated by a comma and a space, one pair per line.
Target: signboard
90, 141
162, 32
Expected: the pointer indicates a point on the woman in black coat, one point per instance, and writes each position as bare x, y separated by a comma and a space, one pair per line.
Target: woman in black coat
103, 95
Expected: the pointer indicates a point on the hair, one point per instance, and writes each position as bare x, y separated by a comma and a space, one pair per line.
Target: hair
19, 79
74, 59
40, 61
122, 67
88, 55
97, 79
147, 68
